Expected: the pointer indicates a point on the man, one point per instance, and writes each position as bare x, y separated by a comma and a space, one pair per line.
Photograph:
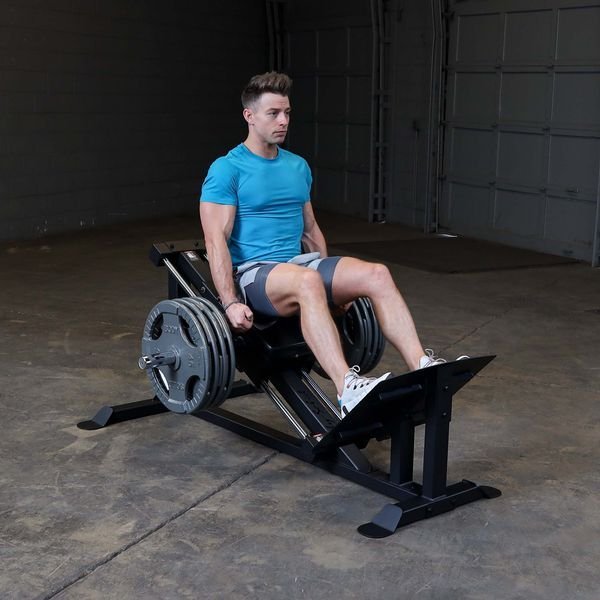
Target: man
256, 215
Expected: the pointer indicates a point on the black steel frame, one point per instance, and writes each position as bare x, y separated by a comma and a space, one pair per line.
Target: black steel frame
393, 410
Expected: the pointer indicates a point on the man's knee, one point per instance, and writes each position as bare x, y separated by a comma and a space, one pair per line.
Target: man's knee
380, 275
310, 285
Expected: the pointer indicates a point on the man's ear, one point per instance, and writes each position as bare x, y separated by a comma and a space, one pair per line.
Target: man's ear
248, 115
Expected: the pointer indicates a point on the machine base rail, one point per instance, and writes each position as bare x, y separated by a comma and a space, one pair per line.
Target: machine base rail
393, 516
109, 415
392, 410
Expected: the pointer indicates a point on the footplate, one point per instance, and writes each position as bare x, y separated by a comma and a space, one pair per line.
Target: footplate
408, 397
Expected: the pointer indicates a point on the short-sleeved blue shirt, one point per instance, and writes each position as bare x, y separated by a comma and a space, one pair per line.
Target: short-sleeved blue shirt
269, 195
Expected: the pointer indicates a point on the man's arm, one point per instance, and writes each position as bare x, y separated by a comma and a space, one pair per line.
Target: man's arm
217, 224
312, 236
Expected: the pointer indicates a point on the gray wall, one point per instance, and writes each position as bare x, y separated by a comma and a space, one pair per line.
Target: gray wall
411, 38
328, 52
113, 110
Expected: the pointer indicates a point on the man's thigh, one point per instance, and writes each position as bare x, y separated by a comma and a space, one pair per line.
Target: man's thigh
272, 289
352, 279
253, 283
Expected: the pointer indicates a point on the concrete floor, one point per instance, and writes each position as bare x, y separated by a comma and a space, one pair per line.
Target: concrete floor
173, 507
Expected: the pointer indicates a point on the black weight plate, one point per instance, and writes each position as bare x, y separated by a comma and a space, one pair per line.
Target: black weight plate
213, 316
214, 351
364, 306
375, 348
230, 349
172, 327
229, 376
370, 333
210, 380
225, 339
221, 356
353, 334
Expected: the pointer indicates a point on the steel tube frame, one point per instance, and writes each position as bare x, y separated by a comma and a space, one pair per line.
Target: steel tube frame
393, 409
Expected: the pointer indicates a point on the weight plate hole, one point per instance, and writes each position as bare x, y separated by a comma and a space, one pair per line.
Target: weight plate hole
162, 380
156, 330
184, 327
190, 387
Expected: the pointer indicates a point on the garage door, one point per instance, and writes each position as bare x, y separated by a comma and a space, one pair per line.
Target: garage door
522, 124
329, 56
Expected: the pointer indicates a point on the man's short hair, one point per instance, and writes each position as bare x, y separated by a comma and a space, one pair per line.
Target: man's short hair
271, 82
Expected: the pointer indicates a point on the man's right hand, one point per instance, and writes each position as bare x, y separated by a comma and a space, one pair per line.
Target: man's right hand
240, 316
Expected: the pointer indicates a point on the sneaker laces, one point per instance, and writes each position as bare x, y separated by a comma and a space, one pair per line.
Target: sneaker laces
433, 359
354, 381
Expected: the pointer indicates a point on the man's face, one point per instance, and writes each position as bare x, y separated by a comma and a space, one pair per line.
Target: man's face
270, 117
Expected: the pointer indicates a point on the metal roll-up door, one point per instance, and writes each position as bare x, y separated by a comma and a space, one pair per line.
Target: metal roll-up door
522, 124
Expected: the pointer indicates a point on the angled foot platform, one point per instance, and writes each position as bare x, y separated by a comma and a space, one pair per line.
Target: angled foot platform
393, 410
411, 397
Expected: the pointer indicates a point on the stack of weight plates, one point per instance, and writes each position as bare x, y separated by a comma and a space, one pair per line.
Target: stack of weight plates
196, 331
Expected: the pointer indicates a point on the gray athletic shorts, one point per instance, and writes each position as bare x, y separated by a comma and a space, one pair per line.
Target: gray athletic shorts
252, 279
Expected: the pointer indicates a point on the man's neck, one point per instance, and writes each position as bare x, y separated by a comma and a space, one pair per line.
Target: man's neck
262, 149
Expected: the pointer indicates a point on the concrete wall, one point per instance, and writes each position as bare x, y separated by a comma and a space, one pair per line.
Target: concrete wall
411, 35
328, 46
112, 110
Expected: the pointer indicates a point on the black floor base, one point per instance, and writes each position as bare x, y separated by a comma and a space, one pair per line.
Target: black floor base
392, 410
109, 415
393, 516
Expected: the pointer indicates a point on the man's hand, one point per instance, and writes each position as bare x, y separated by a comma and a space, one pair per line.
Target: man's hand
240, 316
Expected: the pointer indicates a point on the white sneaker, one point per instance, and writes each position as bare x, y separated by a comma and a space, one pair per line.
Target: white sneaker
430, 359
356, 388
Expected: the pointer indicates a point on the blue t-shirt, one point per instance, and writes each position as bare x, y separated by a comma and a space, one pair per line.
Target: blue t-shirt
269, 195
